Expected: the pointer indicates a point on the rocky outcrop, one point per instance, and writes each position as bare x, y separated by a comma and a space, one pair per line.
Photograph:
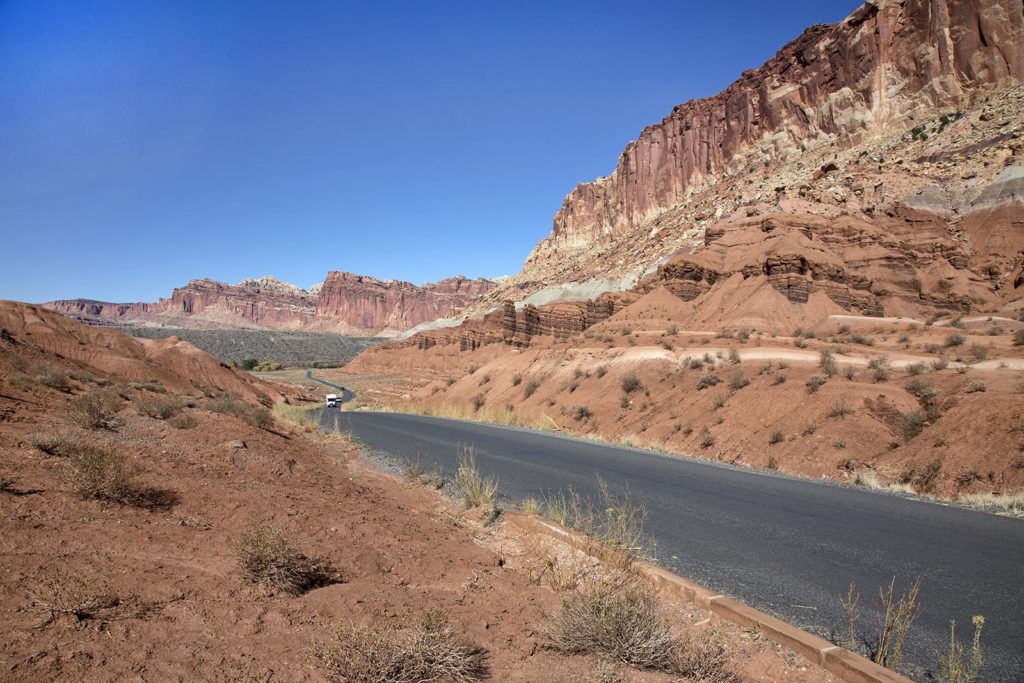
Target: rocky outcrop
391, 306
881, 68
344, 303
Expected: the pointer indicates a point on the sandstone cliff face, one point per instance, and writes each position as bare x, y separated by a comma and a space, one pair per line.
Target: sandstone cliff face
391, 306
344, 303
882, 67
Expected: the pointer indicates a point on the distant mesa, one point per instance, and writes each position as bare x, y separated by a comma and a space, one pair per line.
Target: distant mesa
344, 303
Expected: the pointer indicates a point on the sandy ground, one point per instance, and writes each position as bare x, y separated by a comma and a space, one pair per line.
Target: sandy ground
170, 602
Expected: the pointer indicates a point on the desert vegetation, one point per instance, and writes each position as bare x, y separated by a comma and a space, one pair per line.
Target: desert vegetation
266, 556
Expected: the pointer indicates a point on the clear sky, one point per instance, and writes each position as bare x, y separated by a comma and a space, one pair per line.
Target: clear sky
144, 143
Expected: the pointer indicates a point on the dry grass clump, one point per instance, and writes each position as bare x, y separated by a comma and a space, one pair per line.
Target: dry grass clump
94, 473
96, 409
614, 520
894, 615
51, 376
622, 621
815, 382
257, 416
476, 489
156, 406
301, 417
266, 557
61, 443
531, 388
427, 650
64, 592
957, 666
708, 380
1013, 502
183, 421
631, 383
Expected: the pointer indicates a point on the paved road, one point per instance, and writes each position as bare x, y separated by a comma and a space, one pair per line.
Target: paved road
346, 395
787, 546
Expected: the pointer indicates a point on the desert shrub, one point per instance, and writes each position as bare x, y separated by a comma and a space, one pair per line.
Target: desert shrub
94, 473
894, 615
734, 356
916, 369
265, 556
476, 490
426, 650
913, 423
827, 363
624, 623
672, 330
257, 416
840, 409
183, 421
923, 479
975, 386
778, 379
631, 383
601, 371
799, 343
861, 339
967, 476
531, 388
738, 381
707, 439
61, 443
815, 382
920, 389
956, 666
51, 376
696, 364
955, 339
517, 379
719, 401
581, 413
881, 374
849, 372
1018, 338
478, 402
96, 409
978, 352
157, 407
776, 437
61, 591
940, 363
708, 380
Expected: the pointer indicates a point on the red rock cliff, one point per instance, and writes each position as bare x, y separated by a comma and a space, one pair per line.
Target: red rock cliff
391, 305
832, 84
345, 303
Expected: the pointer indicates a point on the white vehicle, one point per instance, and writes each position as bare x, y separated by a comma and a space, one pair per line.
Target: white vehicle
332, 400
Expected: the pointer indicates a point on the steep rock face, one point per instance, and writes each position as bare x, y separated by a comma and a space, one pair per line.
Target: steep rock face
390, 306
345, 303
881, 66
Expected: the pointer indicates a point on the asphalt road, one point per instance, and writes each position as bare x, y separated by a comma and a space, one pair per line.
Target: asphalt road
787, 546
345, 394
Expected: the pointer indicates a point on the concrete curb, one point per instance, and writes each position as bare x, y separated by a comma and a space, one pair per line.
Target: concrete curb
844, 664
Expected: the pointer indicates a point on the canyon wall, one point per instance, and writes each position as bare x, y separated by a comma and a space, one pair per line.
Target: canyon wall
344, 303
882, 67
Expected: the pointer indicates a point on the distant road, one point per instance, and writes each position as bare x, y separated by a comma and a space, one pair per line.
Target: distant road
346, 395
784, 545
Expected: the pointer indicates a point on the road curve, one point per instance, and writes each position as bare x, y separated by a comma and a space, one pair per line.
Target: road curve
787, 546
346, 395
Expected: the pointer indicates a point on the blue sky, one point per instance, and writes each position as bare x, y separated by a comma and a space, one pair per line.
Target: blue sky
144, 143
